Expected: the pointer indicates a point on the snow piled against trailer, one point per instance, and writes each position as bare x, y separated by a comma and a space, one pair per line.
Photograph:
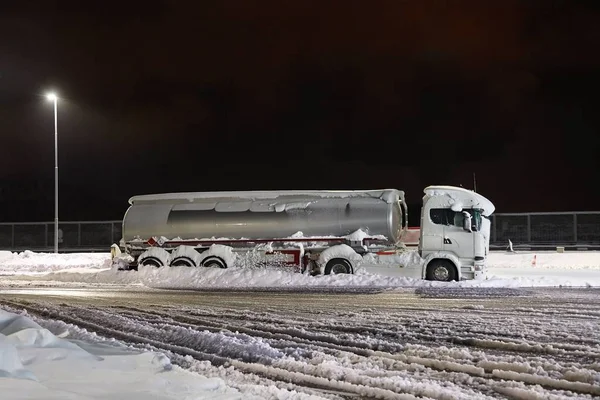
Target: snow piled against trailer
540, 269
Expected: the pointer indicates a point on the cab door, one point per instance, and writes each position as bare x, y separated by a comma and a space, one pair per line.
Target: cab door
459, 236
433, 226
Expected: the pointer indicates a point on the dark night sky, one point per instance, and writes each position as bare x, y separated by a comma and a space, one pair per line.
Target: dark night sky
235, 95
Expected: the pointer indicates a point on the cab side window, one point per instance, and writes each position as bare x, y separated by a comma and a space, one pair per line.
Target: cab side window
442, 216
445, 216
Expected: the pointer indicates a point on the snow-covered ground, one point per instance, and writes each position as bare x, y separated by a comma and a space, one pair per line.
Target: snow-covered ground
521, 269
37, 364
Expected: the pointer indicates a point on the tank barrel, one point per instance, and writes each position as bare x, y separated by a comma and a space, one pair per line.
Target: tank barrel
377, 213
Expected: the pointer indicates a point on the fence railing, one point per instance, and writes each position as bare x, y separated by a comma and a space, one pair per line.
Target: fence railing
72, 236
551, 229
575, 229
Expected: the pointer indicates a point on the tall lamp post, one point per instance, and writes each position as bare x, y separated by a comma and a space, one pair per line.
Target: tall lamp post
54, 98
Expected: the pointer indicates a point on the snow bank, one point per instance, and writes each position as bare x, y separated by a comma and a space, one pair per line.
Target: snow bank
32, 263
36, 364
546, 260
576, 269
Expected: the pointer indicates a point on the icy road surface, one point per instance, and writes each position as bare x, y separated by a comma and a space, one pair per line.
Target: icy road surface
439, 343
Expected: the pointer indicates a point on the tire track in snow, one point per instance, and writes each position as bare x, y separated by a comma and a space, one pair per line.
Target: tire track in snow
444, 365
181, 356
102, 327
514, 343
359, 386
481, 338
477, 353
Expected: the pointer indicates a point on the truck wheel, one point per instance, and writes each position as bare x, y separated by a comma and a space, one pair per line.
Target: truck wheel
214, 262
182, 262
441, 270
338, 266
154, 256
185, 256
153, 261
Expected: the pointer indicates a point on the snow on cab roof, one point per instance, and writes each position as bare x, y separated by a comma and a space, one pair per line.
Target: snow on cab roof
462, 196
388, 195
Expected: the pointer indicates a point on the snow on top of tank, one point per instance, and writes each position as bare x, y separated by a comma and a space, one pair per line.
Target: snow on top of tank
358, 235
388, 195
460, 198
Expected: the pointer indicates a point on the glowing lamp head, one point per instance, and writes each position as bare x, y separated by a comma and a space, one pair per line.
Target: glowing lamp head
52, 96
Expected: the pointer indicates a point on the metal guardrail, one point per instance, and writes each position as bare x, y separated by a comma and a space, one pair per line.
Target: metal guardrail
572, 230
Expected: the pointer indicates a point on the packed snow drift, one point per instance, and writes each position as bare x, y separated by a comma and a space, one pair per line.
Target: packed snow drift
36, 364
521, 269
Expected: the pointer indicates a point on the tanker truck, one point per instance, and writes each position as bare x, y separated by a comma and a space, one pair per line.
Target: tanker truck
317, 232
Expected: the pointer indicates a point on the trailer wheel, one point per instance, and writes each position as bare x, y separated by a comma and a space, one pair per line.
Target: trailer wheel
185, 256
182, 262
152, 261
441, 270
155, 257
338, 266
214, 262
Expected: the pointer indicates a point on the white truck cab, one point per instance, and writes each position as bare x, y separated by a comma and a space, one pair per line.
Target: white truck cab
455, 233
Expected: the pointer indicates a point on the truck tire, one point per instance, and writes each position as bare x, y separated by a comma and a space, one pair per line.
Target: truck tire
441, 270
153, 261
182, 261
338, 266
155, 257
214, 262
185, 256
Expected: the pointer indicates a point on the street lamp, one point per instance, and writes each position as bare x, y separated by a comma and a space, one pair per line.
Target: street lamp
52, 97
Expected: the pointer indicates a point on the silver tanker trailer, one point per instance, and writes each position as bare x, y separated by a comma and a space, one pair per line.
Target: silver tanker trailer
318, 232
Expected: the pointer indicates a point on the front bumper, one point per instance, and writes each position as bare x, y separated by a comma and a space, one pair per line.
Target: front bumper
477, 272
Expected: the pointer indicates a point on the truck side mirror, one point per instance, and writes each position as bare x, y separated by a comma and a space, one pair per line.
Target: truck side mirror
467, 222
